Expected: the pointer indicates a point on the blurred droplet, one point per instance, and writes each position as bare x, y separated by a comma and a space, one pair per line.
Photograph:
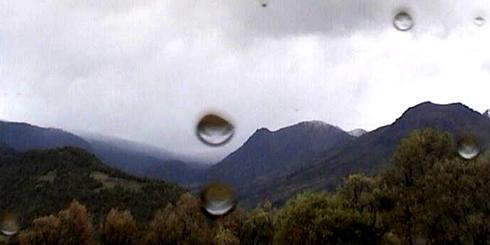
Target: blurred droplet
218, 199
9, 225
403, 21
479, 21
264, 3
214, 130
468, 148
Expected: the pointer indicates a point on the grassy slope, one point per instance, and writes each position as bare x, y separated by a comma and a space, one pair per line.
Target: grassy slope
41, 182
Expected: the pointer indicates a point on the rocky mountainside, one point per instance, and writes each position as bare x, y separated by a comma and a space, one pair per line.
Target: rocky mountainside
269, 154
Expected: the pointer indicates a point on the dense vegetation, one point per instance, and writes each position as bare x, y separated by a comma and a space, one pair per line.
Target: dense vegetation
42, 182
428, 195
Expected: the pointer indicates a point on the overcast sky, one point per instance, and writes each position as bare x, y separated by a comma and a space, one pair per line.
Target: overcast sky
147, 70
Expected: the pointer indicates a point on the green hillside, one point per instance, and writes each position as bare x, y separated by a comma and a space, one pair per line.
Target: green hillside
42, 182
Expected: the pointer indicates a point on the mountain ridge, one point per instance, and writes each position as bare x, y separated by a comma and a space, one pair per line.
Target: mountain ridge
370, 152
128, 156
303, 156
266, 152
23, 136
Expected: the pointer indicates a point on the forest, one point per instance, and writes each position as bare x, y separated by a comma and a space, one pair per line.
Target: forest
429, 194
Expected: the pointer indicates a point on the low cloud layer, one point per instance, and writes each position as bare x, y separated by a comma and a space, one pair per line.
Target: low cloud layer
147, 70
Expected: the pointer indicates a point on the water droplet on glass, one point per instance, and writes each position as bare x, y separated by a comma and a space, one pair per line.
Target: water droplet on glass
403, 21
214, 130
218, 199
467, 148
9, 225
263, 3
479, 21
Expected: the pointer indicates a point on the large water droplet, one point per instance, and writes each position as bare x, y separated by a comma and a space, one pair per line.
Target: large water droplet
264, 3
214, 130
468, 148
9, 225
403, 21
218, 199
479, 21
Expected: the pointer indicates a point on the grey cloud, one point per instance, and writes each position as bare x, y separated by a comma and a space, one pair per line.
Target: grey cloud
146, 70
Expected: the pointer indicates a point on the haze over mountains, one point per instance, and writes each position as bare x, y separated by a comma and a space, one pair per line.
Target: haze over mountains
271, 164
128, 156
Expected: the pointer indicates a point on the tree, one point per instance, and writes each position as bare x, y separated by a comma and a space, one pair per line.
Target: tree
44, 231
367, 195
414, 157
318, 218
259, 226
457, 210
70, 226
224, 236
183, 224
76, 227
119, 228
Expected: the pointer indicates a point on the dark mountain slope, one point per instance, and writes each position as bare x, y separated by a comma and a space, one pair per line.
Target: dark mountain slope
267, 154
23, 136
127, 156
41, 182
142, 164
371, 152
6, 149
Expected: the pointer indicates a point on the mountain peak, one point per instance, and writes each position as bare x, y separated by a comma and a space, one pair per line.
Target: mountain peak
263, 130
428, 105
314, 124
357, 132
268, 153
487, 113
311, 125
428, 111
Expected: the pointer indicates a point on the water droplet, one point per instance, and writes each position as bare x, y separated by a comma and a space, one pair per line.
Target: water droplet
9, 225
218, 199
214, 130
264, 3
403, 21
467, 148
479, 21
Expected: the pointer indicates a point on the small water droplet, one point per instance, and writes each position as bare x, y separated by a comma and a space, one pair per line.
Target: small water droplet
479, 21
468, 148
218, 199
264, 3
403, 21
214, 130
9, 225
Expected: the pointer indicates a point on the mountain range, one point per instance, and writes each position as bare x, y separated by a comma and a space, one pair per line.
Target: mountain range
267, 155
270, 165
131, 157
315, 162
